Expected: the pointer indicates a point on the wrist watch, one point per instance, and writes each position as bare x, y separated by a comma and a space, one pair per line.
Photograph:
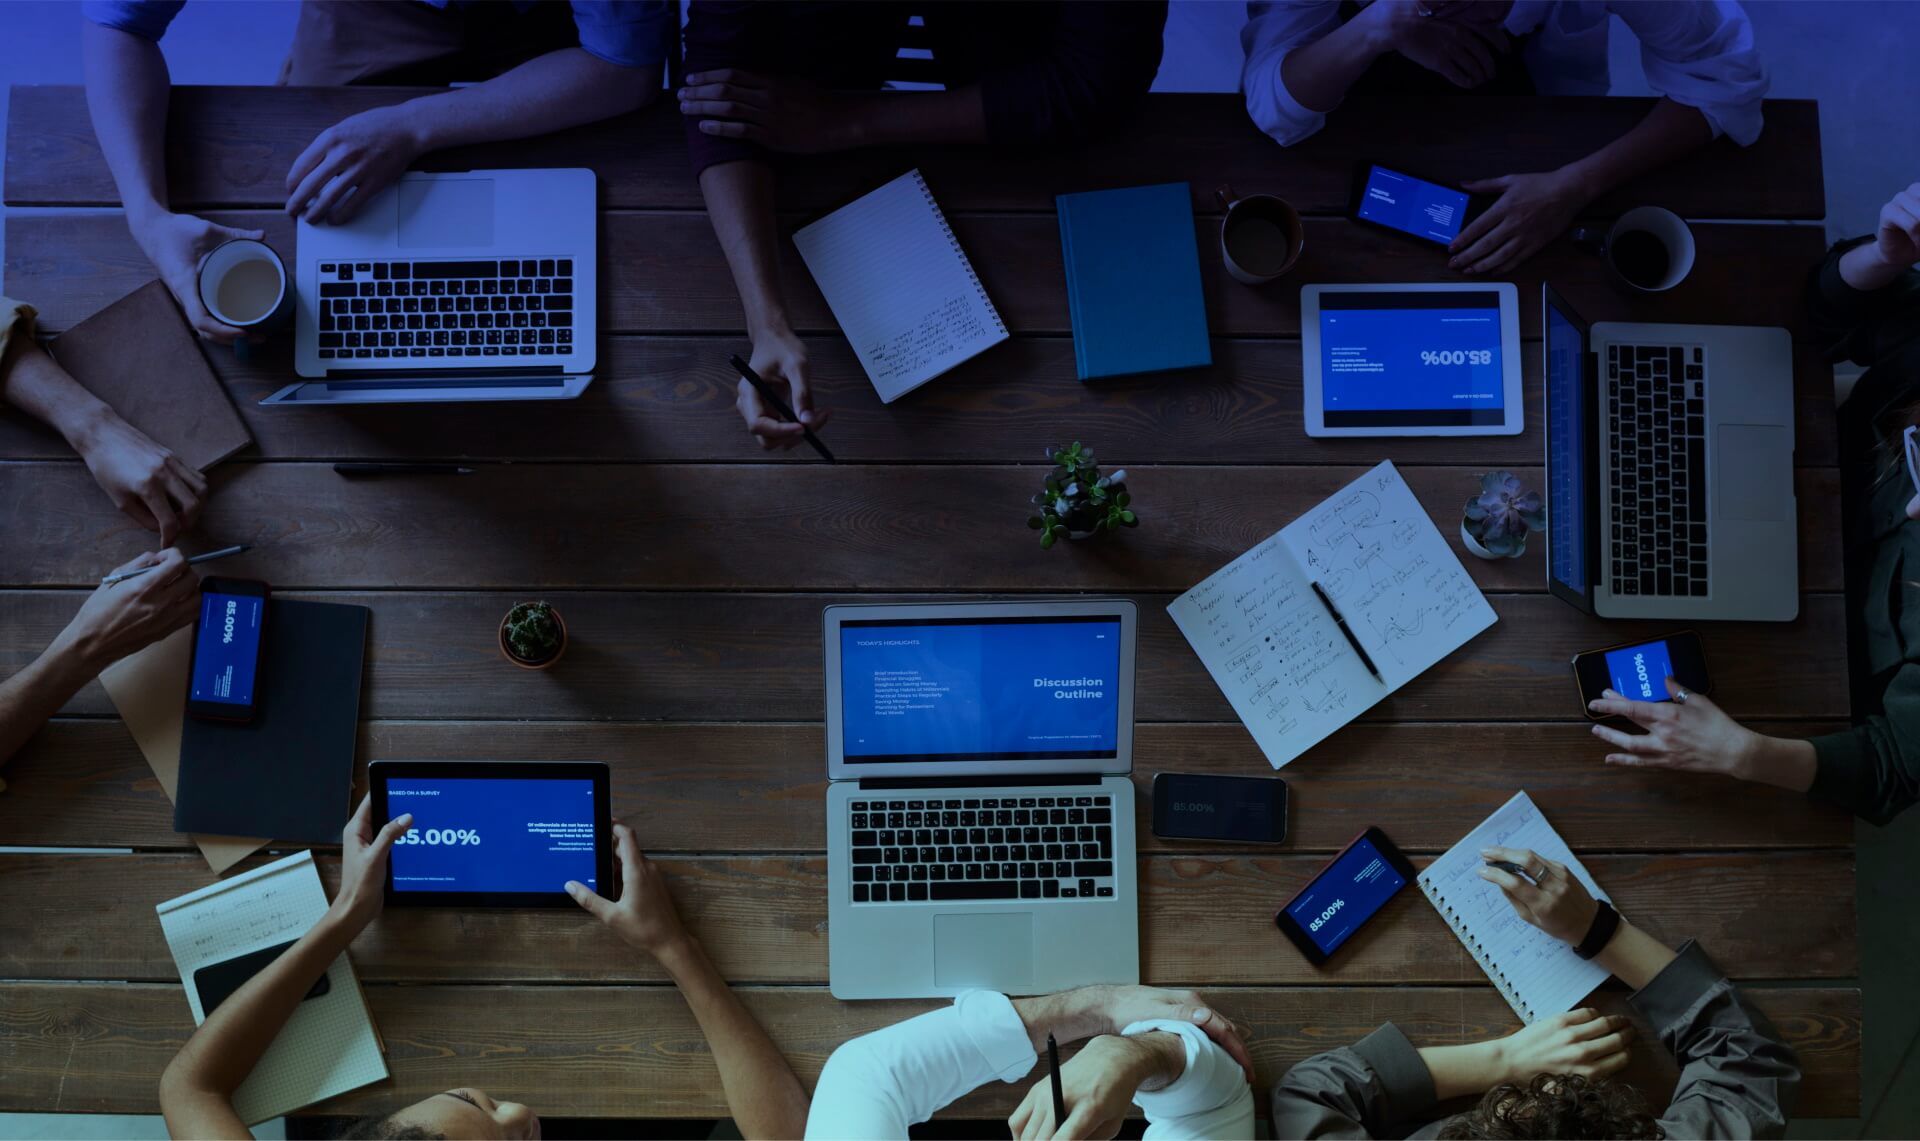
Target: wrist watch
1606, 921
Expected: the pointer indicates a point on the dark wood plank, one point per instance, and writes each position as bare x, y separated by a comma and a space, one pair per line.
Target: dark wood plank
233, 145
664, 273
756, 657
741, 787
671, 399
764, 919
746, 527
636, 1052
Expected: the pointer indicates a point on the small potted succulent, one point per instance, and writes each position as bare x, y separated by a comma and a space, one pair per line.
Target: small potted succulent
532, 635
1077, 501
1497, 521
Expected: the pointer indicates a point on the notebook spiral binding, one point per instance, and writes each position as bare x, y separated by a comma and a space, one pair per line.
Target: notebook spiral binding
1494, 974
920, 180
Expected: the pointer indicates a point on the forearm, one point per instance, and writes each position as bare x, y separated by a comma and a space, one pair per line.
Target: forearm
127, 90
739, 198
762, 1091
1068, 1016
36, 693
1318, 74
1667, 132
34, 382
552, 92
1465, 1071
1779, 761
1864, 269
1634, 956
888, 118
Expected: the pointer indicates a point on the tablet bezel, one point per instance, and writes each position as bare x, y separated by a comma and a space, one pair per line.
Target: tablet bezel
380, 772
1513, 409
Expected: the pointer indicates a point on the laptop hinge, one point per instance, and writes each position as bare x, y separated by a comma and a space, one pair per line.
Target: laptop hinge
885, 784
436, 371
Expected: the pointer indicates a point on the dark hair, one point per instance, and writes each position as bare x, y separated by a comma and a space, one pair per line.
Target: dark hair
384, 1128
1558, 1105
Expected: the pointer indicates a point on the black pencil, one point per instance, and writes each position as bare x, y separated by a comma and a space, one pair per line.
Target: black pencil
1053, 1072
779, 405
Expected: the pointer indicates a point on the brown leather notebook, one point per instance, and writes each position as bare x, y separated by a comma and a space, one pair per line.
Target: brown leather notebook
140, 356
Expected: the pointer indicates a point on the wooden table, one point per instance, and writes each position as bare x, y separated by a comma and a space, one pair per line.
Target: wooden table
692, 569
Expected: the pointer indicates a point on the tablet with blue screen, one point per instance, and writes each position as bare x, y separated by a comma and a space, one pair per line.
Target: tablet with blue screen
1434, 359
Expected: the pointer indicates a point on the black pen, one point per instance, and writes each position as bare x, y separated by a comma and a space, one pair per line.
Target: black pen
1053, 1072
1348, 631
1511, 869
779, 405
352, 469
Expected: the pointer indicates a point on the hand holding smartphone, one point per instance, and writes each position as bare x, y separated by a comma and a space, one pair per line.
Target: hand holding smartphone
223, 683
1638, 671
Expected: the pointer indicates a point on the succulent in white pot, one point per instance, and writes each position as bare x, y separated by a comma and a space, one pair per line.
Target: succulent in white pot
1496, 522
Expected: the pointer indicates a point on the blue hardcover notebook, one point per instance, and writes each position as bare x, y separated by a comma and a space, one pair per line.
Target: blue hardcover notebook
1133, 280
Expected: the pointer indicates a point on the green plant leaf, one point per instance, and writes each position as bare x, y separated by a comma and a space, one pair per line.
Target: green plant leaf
1046, 541
1129, 518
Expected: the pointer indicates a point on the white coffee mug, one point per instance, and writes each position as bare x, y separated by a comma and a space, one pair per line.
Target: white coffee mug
1649, 249
243, 283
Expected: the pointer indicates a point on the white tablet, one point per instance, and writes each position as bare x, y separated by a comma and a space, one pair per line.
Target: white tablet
1431, 359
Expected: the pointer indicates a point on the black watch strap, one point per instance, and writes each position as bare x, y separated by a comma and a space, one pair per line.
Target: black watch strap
1605, 922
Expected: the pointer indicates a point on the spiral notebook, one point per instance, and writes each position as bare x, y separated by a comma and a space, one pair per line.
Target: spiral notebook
900, 285
1538, 975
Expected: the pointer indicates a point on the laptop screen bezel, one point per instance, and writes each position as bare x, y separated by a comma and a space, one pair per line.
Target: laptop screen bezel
1119, 763
1589, 399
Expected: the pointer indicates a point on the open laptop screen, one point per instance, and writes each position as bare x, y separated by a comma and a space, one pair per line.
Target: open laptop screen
1568, 438
980, 689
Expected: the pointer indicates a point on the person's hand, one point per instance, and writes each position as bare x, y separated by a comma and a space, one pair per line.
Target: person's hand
1532, 210
779, 358
156, 488
1897, 240
1556, 901
1097, 1087
117, 620
1583, 1042
1693, 736
1459, 41
350, 162
363, 864
1111, 1008
644, 917
777, 112
175, 243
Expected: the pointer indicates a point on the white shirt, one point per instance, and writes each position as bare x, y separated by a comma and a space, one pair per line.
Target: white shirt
878, 1084
1699, 53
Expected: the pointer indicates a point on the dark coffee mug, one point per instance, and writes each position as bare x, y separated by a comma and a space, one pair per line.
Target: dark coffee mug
1261, 237
1649, 249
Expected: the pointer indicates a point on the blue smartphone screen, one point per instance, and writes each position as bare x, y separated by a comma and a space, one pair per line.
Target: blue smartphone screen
1412, 205
227, 652
1640, 672
1345, 896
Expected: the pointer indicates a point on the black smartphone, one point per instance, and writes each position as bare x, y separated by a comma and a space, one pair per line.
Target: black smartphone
1407, 204
224, 682
1639, 671
1193, 806
1342, 896
216, 982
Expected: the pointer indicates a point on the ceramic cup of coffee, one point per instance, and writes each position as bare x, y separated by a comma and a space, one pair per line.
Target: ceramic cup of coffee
1261, 237
1649, 249
243, 283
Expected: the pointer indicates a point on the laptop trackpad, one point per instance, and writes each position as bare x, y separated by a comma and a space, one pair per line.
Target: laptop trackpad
990, 951
446, 212
1755, 476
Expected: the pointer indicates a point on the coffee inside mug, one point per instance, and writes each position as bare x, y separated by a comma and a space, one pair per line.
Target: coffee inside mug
1260, 237
1650, 248
242, 283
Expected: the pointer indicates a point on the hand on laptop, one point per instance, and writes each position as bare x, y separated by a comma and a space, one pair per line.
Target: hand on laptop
1693, 736
1097, 1086
156, 488
350, 162
1532, 210
128, 616
363, 864
777, 112
175, 243
644, 917
779, 357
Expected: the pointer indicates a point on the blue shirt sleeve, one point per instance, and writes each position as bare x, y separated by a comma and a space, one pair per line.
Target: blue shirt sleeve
627, 33
147, 19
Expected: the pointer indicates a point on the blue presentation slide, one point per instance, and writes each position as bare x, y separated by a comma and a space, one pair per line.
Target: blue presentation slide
228, 651
493, 835
1412, 205
1640, 672
1345, 896
980, 690
1403, 359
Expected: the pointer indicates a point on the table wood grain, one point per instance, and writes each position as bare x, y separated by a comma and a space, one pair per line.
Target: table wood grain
692, 569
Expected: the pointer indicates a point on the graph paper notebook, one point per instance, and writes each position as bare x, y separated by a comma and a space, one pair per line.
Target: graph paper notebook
328, 1046
900, 286
1537, 974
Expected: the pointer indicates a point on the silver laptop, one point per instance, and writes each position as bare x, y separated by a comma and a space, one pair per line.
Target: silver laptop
980, 817
477, 285
1670, 469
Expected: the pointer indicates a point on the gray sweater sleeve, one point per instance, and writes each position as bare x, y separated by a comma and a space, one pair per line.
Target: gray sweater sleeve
1361, 1090
1737, 1079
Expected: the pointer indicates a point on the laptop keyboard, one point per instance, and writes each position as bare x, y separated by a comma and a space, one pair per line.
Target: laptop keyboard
1656, 404
420, 309
1005, 847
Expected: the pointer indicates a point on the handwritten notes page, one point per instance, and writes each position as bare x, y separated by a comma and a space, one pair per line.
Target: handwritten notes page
1278, 655
328, 1046
1539, 975
900, 286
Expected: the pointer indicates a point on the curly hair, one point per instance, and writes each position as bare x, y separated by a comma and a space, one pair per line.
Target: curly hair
382, 1127
1558, 1105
